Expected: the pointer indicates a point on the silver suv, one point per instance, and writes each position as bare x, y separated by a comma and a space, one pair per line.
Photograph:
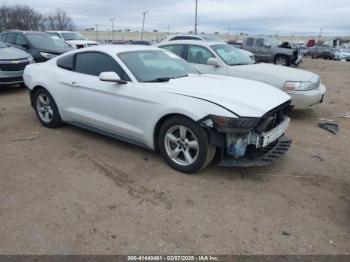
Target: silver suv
12, 64
269, 50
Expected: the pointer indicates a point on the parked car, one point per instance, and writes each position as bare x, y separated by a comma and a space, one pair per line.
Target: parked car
269, 50
12, 64
74, 39
321, 51
150, 97
39, 45
342, 54
208, 38
141, 42
222, 59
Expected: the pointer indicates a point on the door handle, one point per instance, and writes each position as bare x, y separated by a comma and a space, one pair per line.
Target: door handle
74, 84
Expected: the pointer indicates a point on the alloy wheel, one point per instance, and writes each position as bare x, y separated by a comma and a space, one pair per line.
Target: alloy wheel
181, 145
44, 107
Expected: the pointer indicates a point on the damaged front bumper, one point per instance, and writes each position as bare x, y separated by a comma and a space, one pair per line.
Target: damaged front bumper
261, 157
247, 142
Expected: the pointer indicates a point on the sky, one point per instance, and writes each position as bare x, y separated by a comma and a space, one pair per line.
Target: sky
299, 17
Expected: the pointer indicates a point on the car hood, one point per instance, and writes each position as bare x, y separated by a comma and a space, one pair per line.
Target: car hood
57, 51
81, 42
243, 97
272, 74
12, 53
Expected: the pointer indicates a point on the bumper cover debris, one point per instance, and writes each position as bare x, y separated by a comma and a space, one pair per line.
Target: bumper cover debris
265, 157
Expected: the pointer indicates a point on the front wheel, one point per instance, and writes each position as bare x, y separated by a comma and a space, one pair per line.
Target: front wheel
184, 145
281, 60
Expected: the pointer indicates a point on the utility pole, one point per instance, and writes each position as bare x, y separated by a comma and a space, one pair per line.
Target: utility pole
143, 23
96, 32
112, 20
196, 19
168, 29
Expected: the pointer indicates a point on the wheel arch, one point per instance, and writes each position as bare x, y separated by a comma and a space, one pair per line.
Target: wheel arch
161, 121
33, 91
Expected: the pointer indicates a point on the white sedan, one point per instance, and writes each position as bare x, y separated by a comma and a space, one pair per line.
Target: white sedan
219, 58
152, 98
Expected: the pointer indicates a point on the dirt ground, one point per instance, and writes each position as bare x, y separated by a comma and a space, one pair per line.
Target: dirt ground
70, 191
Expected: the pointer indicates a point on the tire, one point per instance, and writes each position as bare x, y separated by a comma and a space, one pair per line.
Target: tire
175, 136
281, 60
46, 109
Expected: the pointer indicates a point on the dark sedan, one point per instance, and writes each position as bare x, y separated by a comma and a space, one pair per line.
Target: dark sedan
41, 46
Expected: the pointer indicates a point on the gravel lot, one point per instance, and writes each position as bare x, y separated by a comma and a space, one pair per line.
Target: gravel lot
70, 191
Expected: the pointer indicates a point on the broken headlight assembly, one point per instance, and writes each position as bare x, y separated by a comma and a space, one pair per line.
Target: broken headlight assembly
221, 123
291, 86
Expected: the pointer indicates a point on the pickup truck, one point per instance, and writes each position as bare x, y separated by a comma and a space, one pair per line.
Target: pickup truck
270, 50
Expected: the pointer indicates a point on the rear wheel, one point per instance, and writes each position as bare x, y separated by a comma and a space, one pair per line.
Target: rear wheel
184, 145
46, 109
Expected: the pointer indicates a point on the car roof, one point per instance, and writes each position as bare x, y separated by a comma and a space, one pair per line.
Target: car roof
115, 49
62, 31
25, 32
191, 42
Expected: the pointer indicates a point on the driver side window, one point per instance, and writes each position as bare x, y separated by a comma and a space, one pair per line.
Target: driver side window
198, 55
20, 40
94, 63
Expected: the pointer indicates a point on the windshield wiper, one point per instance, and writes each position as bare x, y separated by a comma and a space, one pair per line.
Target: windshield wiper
159, 79
238, 64
164, 79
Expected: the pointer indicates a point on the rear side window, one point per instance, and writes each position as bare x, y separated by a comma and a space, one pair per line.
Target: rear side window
66, 62
250, 41
94, 63
3, 37
11, 38
176, 49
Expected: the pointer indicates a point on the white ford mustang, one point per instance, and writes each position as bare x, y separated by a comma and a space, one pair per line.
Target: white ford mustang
152, 98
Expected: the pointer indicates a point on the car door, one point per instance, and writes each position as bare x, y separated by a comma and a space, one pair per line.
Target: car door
198, 56
107, 106
262, 51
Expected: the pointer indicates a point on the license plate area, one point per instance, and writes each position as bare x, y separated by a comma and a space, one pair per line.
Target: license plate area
276, 133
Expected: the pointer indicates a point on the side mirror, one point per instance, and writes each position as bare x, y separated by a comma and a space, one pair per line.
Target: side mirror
213, 61
111, 77
25, 46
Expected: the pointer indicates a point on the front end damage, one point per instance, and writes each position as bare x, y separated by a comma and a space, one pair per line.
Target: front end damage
247, 142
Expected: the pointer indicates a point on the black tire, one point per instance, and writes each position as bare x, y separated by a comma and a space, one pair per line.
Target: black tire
205, 151
55, 119
282, 60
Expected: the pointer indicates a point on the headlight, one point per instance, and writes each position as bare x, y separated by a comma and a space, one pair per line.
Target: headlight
242, 123
291, 86
47, 55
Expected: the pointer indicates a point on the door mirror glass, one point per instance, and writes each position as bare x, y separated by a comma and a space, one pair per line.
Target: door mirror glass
111, 77
213, 61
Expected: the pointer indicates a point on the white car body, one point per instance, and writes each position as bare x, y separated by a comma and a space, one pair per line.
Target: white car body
133, 110
77, 44
342, 54
271, 74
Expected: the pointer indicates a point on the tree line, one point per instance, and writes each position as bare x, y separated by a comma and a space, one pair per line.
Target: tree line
23, 17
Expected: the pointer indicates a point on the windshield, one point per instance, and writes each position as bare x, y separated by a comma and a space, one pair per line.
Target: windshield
41, 41
72, 36
2, 45
156, 65
231, 55
59, 42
